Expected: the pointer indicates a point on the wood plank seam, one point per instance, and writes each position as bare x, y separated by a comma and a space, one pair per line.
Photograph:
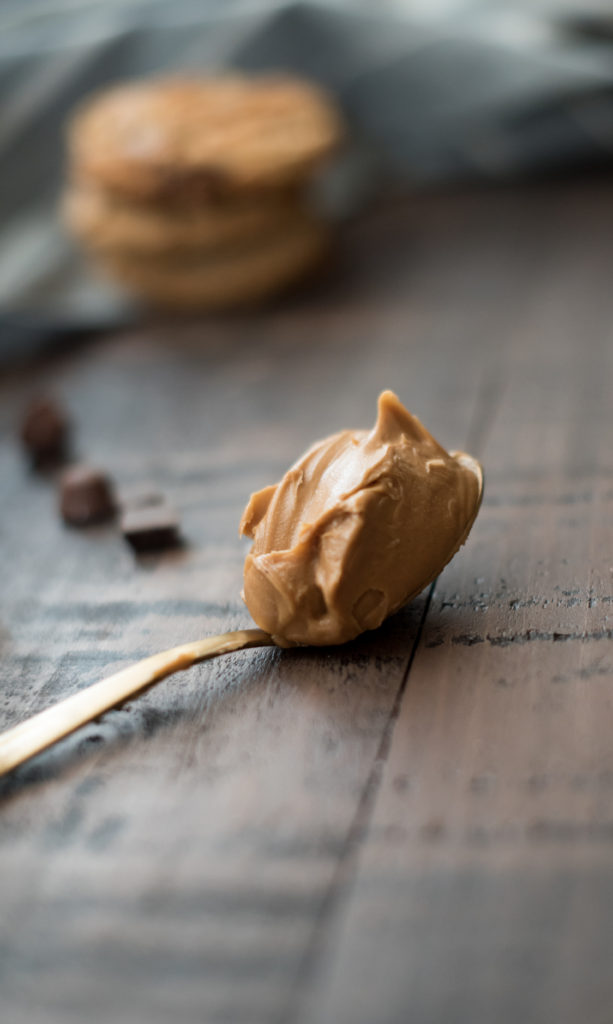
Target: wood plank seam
488, 399
345, 866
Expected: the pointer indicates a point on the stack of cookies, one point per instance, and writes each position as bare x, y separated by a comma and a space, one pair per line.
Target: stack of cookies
191, 191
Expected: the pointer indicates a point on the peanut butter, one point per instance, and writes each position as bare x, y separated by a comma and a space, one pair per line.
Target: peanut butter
361, 523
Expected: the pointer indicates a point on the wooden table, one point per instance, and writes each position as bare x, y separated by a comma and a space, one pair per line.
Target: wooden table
417, 827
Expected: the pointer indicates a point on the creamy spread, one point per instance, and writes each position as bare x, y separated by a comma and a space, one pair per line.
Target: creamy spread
361, 523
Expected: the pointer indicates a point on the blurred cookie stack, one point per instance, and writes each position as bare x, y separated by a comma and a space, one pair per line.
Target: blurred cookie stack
191, 192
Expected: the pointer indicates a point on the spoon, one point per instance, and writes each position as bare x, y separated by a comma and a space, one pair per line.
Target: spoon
42, 730
35, 734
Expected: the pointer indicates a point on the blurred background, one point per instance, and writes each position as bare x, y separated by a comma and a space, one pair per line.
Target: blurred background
315, 822
433, 92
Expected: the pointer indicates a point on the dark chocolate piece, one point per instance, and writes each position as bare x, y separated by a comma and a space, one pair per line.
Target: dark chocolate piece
86, 496
44, 431
151, 527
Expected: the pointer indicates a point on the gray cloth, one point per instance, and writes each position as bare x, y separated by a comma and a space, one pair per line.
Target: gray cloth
479, 92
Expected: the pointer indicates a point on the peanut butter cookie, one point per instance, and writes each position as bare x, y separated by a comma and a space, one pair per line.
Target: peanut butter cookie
234, 276
203, 137
105, 221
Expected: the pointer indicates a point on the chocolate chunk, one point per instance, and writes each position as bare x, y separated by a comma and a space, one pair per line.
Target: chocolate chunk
151, 527
86, 496
44, 430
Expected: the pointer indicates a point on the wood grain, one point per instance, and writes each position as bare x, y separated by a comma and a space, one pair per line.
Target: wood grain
414, 826
485, 876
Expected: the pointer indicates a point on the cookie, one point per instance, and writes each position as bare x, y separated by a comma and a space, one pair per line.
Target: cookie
239, 275
105, 221
203, 137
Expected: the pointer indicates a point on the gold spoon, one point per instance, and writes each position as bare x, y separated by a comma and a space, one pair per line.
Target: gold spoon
40, 731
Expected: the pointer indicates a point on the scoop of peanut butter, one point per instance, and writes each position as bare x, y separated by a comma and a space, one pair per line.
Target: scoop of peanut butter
358, 525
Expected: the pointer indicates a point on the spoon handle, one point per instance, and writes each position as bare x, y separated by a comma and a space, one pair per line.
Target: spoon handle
40, 731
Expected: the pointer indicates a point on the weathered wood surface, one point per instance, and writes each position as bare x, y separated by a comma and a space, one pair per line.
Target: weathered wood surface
416, 827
